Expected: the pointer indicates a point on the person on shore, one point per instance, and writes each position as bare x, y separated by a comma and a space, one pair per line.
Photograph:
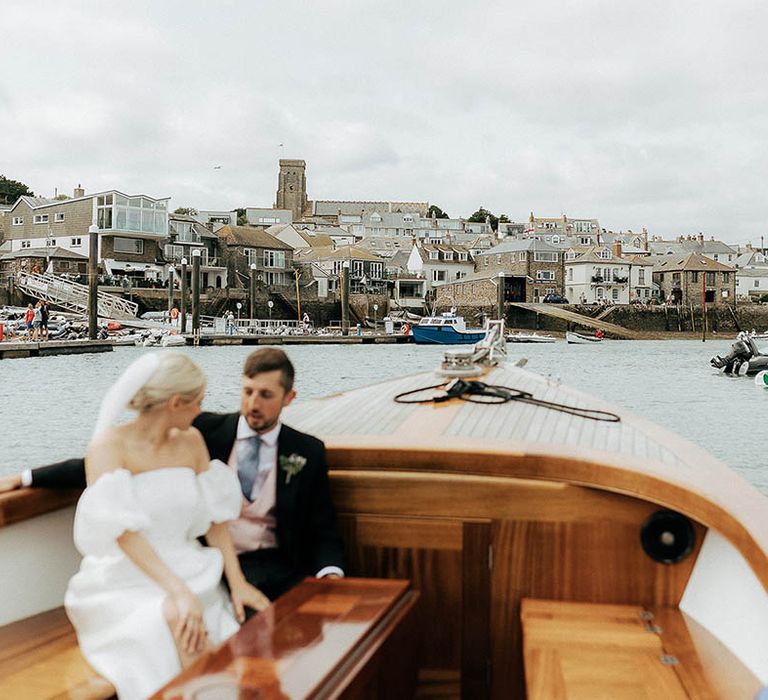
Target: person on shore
148, 598
44, 315
287, 524
29, 319
230, 323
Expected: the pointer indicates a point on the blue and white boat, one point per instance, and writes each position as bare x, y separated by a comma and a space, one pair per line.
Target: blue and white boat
446, 329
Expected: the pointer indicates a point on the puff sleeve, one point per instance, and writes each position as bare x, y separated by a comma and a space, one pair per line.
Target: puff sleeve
220, 497
106, 510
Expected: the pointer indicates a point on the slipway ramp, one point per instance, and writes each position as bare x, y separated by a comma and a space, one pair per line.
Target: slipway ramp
556, 311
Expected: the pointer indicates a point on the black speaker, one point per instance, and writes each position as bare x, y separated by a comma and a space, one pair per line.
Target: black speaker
667, 537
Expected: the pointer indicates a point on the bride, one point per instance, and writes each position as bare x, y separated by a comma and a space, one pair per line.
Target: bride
148, 598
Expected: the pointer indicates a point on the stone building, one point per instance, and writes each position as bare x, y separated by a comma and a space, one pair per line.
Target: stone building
683, 279
536, 267
242, 246
292, 188
185, 235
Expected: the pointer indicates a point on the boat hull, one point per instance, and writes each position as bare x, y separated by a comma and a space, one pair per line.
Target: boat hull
578, 339
445, 335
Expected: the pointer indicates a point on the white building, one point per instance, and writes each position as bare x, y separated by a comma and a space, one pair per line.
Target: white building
595, 274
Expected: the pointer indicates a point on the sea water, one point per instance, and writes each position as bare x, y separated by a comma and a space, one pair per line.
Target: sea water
48, 405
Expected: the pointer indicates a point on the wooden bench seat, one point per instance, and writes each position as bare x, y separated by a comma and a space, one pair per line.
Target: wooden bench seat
40, 660
587, 650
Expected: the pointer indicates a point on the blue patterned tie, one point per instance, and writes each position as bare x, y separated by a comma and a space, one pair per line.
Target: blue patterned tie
248, 464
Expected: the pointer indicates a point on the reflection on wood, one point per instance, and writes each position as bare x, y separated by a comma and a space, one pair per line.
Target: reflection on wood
347, 638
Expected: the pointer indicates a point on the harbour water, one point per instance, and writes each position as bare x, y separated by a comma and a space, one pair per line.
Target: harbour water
48, 405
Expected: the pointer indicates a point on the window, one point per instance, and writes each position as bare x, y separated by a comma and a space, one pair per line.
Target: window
50, 242
641, 276
18, 220
41, 218
434, 255
584, 240
522, 257
269, 220
438, 275
726, 276
710, 279
274, 258
58, 217
376, 270
570, 274
463, 257
460, 274
695, 276
545, 275
605, 254
615, 294
26, 244
498, 258
448, 255
134, 246
661, 277
357, 268
676, 278
545, 257
75, 242
104, 213
757, 283
600, 293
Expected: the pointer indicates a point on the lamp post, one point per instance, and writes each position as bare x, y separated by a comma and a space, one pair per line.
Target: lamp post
375, 318
196, 291
270, 304
93, 282
183, 292
239, 306
252, 307
170, 290
345, 298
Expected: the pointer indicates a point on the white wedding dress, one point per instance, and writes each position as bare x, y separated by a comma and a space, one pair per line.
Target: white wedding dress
115, 607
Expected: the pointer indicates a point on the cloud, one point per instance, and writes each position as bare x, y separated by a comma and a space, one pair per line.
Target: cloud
640, 114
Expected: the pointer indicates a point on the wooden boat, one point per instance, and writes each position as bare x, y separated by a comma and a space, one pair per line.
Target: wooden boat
530, 338
578, 338
555, 555
446, 329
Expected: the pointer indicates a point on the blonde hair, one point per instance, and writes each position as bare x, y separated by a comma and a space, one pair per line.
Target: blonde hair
175, 374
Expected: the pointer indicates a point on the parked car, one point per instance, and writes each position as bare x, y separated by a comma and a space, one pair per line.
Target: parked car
555, 299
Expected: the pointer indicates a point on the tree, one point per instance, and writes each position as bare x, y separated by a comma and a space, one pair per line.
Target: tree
187, 211
437, 211
241, 218
11, 190
482, 214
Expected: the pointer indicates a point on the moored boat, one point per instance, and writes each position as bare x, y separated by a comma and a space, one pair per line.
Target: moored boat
530, 338
580, 339
446, 329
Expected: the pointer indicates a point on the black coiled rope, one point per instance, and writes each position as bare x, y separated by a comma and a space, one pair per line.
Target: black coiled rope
479, 392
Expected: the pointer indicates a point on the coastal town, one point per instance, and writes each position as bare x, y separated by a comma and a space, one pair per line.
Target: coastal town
260, 266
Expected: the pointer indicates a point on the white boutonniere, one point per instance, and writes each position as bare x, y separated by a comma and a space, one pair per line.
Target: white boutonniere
292, 465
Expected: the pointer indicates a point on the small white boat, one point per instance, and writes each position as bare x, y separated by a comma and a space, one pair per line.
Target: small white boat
578, 338
530, 338
170, 341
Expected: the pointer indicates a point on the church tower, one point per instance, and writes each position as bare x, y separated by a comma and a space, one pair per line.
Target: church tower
292, 187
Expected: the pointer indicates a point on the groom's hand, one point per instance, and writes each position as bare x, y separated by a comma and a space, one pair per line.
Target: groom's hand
10, 483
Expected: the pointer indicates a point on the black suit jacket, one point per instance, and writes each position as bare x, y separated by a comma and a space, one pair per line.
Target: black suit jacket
306, 520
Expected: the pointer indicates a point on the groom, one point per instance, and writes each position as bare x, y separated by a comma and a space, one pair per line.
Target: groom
286, 529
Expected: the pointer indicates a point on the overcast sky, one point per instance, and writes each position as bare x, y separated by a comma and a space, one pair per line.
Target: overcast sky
641, 114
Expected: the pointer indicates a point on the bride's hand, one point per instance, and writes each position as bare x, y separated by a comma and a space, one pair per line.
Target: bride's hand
245, 595
190, 631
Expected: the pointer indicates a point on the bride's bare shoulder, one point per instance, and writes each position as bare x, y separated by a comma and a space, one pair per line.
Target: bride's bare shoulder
193, 442
104, 455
